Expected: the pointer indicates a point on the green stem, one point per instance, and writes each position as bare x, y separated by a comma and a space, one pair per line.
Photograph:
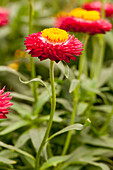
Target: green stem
85, 67
95, 54
102, 48
96, 66
53, 105
32, 65
76, 97
102, 9
100, 58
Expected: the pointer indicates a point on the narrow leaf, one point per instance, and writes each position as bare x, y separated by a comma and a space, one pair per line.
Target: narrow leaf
10, 70
73, 85
8, 153
66, 129
65, 103
6, 161
22, 139
17, 150
38, 80
81, 108
36, 135
43, 98
101, 165
68, 72
53, 161
22, 97
22, 109
14, 126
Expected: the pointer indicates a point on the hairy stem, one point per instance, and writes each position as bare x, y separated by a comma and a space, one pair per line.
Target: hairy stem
53, 105
32, 65
76, 97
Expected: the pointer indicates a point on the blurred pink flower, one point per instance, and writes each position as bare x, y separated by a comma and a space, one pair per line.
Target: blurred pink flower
80, 20
96, 5
4, 103
4, 14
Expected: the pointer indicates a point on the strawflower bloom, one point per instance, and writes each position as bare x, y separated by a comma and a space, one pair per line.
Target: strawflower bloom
54, 44
4, 103
4, 14
81, 20
96, 5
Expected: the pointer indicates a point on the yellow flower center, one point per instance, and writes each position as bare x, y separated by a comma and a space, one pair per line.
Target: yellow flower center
84, 14
55, 35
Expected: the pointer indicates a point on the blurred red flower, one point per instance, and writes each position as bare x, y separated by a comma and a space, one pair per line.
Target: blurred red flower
4, 14
96, 5
80, 20
53, 43
4, 103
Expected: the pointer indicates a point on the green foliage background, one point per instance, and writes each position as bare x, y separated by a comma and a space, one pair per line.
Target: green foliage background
21, 134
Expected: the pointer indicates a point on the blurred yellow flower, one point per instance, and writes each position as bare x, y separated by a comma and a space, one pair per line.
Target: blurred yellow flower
14, 66
19, 53
62, 13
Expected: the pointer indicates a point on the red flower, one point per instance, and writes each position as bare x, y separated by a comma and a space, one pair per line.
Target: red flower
4, 14
4, 103
96, 5
53, 43
80, 20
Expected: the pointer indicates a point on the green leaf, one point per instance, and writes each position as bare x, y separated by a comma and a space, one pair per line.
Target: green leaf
30, 162
75, 167
104, 141
87, 152
65, 103
8, 153
61, 67
103, 108
56, 117
13, 81
109, 97
22, 97
92, 167
36, 135
110, 82
68, 72
90, 86
6, 160
37, 80
105, 75
13, 118
73, 85
66, 129
54, 161
17, 150
14, 126
22, 139
101, 165
87, 155
81, 108
43, 98
10, 70
22, 109
108, 38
